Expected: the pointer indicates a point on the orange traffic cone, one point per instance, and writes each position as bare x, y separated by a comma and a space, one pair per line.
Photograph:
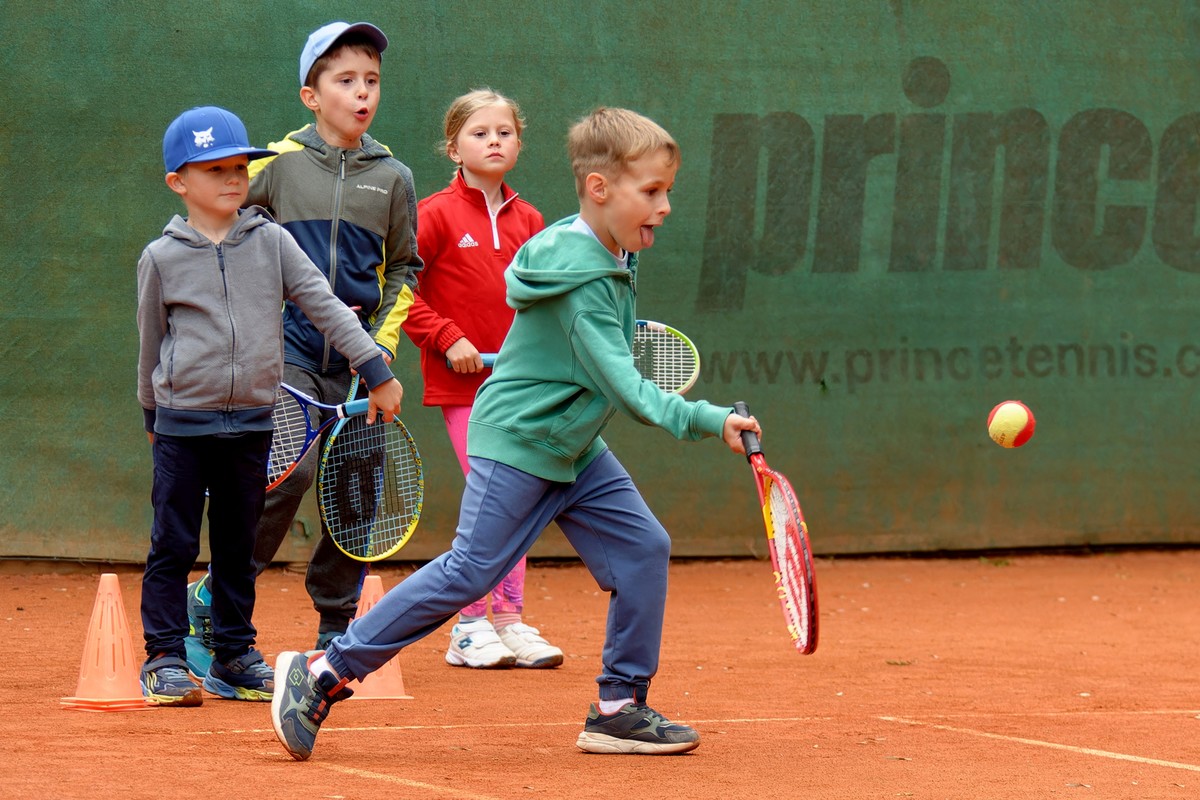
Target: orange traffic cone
108, 674
385, 683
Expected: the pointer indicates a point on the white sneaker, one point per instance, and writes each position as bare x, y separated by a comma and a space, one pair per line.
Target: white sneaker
475, 644
529, 647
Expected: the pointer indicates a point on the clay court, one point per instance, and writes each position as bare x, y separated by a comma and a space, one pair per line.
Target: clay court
998, 677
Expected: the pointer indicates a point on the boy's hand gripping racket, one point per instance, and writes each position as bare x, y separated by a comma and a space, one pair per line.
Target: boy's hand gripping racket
370, 487
787, 539
660, 353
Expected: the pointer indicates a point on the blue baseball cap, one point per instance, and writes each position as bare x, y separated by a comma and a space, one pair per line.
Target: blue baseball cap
206, 133
320, 40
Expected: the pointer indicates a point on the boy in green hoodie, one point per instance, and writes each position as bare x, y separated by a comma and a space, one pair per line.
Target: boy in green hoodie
536, 455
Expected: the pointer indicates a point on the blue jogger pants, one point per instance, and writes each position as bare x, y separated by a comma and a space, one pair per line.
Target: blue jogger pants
504, 510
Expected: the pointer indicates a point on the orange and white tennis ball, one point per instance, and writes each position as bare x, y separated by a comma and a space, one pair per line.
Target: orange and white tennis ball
1011, 424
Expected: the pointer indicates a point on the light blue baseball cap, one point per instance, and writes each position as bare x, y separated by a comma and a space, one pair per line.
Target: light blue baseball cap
320, 40
206, 133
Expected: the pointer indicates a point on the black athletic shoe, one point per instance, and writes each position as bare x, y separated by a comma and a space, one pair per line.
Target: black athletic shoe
635, 728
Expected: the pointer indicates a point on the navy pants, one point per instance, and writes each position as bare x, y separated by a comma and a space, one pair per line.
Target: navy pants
233, 470
503, 512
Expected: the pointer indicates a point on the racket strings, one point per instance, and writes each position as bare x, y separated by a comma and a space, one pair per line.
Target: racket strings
289, 437
664, 358
371, 488
794, 581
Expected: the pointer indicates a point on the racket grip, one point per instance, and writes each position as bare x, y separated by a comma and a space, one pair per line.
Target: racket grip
489, 359
749, 438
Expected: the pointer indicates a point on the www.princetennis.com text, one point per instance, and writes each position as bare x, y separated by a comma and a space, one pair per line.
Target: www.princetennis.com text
854, 367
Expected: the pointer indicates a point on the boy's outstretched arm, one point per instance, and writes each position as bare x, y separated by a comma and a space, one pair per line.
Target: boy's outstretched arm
732, 432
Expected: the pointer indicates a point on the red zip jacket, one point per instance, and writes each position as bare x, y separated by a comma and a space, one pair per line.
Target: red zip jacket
460, 292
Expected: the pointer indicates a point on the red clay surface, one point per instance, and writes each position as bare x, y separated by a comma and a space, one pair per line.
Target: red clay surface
1023, 677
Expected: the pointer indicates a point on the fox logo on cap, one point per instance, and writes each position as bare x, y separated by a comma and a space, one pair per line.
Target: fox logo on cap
204, 138
214, 134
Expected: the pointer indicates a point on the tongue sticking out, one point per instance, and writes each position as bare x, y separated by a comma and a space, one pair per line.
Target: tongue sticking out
647, 235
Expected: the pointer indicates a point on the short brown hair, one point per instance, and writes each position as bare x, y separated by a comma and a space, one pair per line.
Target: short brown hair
353, 41
607, 139
464, 106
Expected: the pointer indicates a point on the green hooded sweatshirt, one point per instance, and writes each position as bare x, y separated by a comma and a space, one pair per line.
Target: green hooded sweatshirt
566, 366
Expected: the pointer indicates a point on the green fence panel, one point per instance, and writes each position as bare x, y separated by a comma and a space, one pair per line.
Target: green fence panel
890, 216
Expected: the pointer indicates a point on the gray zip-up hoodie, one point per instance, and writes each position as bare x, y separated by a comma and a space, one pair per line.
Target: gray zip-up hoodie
209, 321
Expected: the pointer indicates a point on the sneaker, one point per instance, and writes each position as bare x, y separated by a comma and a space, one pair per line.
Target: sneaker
246, 677
527, 644
302, 703
475, 644
198, 642
165, 682
635, 728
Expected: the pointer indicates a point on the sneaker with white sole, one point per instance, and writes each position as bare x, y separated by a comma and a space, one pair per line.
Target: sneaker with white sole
476, 645
527, 644
636, 729
302, 701
165, 682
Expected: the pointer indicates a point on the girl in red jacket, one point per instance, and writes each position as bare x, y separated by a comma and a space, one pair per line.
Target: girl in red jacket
467, 235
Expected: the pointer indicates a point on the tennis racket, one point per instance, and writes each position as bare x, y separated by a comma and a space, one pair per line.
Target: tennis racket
298, 426
370, 487
787, 540
660, 353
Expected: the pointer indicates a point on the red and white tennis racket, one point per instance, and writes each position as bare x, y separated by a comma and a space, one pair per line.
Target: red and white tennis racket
787, 540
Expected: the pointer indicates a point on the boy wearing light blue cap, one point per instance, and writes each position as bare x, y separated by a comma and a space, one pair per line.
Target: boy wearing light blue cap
209, 293
353, 209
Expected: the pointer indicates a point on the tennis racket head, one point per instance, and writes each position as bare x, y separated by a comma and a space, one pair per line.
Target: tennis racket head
294, 433
665, 356
370, 487
298, 421
791, 557
787, 542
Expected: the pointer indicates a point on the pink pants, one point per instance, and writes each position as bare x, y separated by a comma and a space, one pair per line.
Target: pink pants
509, 594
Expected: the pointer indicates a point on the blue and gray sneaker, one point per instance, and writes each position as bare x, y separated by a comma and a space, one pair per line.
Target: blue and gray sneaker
246, 677
199, 640
635, 728
303, 701
165, 682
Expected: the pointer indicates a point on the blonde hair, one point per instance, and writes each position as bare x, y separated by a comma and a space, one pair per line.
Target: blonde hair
608, 139
464, 106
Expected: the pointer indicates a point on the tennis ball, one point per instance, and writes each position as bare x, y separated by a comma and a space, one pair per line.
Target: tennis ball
1011, 424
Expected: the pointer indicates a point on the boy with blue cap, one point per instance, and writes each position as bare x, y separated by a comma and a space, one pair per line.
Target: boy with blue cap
352, 208
209, 293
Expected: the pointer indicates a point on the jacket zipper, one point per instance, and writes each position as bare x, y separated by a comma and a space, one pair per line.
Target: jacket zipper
232, 329
333, 237
494, 215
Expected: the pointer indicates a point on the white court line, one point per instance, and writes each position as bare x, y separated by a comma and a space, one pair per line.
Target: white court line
495, 725
1051, 745
1149, 712
456, 792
